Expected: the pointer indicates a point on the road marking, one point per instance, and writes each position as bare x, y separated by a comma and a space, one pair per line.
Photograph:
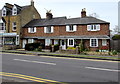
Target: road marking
26, 77
35, 61
103, 69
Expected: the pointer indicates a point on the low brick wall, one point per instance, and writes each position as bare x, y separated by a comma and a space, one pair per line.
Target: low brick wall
68, 51
9, 47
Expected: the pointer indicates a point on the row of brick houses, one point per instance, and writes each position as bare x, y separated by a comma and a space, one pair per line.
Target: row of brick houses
92, 32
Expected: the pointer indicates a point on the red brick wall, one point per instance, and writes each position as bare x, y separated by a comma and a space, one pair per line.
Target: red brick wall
61, 30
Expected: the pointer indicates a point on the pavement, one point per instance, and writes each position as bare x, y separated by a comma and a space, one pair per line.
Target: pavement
57, 54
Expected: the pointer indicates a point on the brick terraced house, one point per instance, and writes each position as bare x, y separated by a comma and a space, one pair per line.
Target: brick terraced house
12, 19
92, 32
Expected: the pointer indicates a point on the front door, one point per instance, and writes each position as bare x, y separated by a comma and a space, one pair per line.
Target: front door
24, 43
63, 44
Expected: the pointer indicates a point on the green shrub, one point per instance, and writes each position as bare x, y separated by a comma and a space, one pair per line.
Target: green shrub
116, 37
72, 48
32, 46
114, 52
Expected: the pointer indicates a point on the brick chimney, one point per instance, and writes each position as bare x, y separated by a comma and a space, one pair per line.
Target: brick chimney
32, 3
83, 13
49, 15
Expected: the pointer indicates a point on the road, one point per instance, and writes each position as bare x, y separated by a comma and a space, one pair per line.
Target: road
61, 69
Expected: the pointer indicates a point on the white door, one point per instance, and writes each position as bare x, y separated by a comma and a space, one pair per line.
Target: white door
63, 44
24, 43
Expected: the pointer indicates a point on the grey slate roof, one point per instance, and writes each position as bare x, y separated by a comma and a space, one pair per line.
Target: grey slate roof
75, 37
64, 21
85, 20
46, 22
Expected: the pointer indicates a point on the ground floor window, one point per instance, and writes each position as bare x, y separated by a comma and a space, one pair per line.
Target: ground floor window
93, 42
30, 40
71, 42
17, 40
9, 40
47, 42
104, 42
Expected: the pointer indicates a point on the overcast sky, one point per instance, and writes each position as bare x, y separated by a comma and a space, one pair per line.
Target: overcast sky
106, 9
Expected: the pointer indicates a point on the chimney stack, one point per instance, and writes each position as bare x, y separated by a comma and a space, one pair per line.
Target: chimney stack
49, 15
83, 13
32, 3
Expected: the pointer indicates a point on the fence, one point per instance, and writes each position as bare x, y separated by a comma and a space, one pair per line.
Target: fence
115, 45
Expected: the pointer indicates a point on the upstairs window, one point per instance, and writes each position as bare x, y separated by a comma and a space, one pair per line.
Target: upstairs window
93, 27
71, 28
32, 30
4, 11
14, 26
14, 10
48, 29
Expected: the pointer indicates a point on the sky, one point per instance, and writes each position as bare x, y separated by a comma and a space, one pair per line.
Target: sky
106, 10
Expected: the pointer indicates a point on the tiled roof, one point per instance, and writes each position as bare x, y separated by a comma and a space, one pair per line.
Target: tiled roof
64, 21
46, 22
19, 8
85, 20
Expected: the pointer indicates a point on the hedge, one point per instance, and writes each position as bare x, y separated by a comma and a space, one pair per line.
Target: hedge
33, 46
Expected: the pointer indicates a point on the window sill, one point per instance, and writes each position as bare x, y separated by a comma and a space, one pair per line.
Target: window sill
49, 32
93, 46
70, 31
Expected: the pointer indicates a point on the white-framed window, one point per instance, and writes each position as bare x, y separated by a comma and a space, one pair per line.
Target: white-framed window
93, 27
32, 30
30, 40
17, 40
71, 28
104, 42
14, 26
48, 29
47, 42
14, 10
70, 42
56, 41
94, 42
2, 26
4, 11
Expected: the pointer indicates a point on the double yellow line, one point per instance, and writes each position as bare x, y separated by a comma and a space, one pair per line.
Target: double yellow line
35, 79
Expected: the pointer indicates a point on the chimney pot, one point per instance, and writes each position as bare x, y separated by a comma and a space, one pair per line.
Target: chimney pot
83, 13
49, 15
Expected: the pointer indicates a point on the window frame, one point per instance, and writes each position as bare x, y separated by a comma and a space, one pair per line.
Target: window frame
91, 42
104, 42
49, 29
47, 42
32, 30
71, 28
93, 27
14, 25
2, 26
69, 42
14, 10
30, 40
4, 12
